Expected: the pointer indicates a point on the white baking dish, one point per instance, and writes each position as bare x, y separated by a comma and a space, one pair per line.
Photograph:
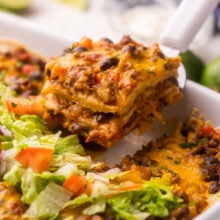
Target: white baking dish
47, 43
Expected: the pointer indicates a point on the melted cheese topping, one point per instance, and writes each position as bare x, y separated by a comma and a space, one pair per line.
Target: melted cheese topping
108, 77
186, 165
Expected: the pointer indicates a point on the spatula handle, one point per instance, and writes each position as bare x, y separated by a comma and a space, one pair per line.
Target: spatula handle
187, 21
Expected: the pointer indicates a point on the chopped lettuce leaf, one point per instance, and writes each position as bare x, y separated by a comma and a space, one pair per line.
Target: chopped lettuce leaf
57, 178
44, 141
80, 200
99, 189
96, 177
31, 186
83, 162
30, 130
140, 215
13, 177
27, 125
33, 183
6, 139
26, 130
121, 205
6, 94
7, 145
49, 202
33, 122
49, 140
9, 159
96, 200
154, 198
67, 170
20, 141
7, 120
69, 144
98, 206
95, 205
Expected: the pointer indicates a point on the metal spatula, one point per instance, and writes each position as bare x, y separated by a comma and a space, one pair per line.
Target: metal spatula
183, 27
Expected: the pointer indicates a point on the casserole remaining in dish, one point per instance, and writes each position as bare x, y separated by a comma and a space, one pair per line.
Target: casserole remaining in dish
20, 69
49, 175
46, 174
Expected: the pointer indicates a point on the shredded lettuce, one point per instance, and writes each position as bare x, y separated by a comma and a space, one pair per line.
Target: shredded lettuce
6, 94
67, 170
98, 206
9, 159
94, 205
60, 160
13, 177
121, 205
6, 141
27, 125
31, 186
30, 131
33, 183
55, 177
99, 189
154, 198
69, 144
49, 202
49, 140
78, 201
26, 131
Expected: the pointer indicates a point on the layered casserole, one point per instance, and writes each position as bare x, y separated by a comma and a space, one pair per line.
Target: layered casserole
102, 90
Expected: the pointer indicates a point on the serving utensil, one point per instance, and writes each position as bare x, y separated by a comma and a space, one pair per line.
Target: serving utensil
183, 27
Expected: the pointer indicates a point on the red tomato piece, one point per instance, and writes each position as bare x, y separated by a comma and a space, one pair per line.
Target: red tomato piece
38, 159
210, 130
34, 108
27, 69
76, 184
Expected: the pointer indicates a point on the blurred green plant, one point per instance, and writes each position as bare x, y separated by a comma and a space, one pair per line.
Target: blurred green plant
193, 65
14, 5
211, 74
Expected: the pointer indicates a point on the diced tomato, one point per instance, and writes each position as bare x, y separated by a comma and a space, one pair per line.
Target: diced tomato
27, 69
9, 105
210, 130
98, 78
87, 189
59, 73
38, 159
75, 183
34, 108
59, 70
